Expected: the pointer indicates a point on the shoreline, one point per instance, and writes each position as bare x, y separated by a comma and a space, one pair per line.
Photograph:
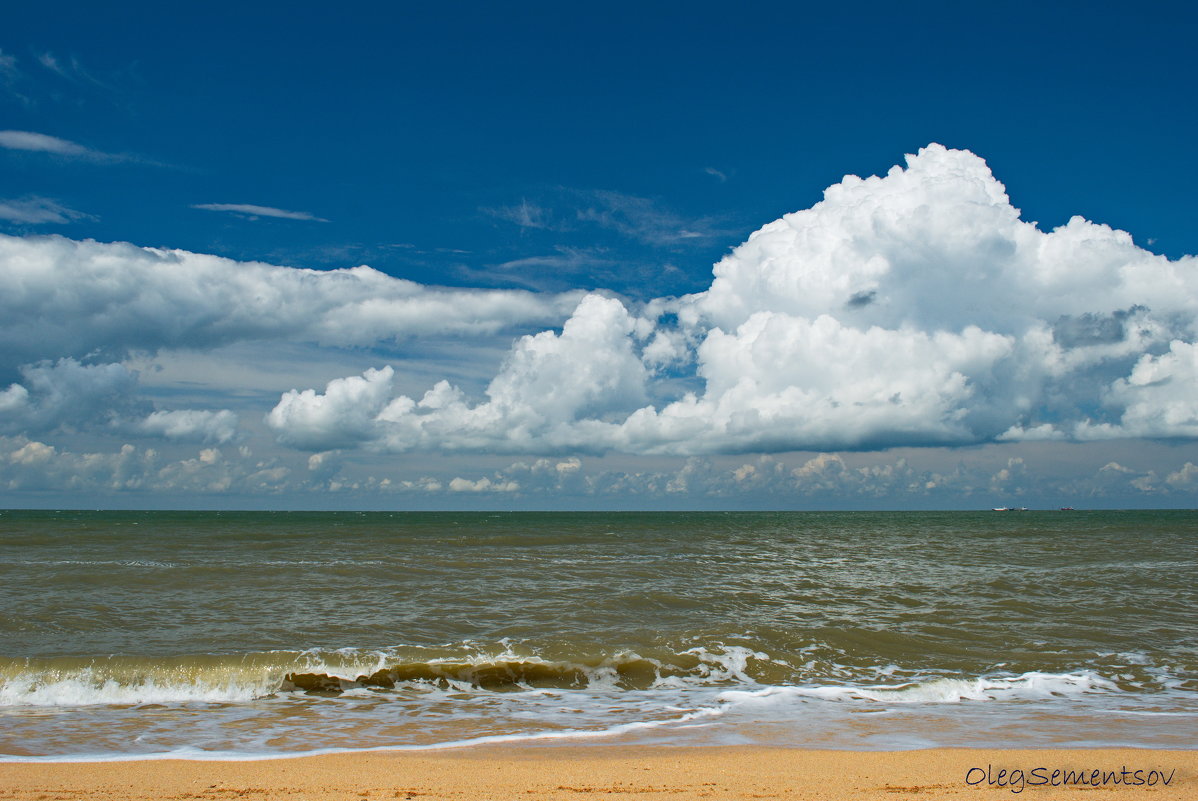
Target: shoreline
558, 772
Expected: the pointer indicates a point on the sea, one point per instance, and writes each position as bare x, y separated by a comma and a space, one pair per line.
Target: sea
244, 635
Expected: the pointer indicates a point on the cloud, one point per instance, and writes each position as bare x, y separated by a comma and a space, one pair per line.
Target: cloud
10, 77
8, 66
33, 142
483, 484
343, 417
253, 212
67, 392
86, 299
190, 425
31, 465
43, 143
553, 269
548, 382
714, 173
914, 309
38, 210
526, 215
1157, 399
643, 220
638, 218
73, 71
69, 395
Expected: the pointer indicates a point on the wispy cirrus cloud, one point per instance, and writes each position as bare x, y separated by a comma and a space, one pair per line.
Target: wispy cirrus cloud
645, 220
49, 77
526, 215
641, 219
717, 174
70, 69
44, 143
10, 76
38, 210
35, 142
253, 212
548, 271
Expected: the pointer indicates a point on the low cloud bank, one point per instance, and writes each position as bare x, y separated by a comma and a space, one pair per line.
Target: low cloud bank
68, 298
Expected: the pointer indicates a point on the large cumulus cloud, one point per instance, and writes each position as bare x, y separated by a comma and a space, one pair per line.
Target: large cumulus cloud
915, 308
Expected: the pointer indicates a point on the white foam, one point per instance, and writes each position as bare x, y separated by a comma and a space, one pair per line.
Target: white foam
1032, 685
83, 690
196, 754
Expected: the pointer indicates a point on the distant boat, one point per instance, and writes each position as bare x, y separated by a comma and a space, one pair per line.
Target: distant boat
1009, 509
1066, 508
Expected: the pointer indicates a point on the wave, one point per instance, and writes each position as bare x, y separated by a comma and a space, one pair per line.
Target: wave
1028, 686
241, 678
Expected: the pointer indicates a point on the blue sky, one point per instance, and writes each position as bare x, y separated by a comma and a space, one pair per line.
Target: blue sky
543, 151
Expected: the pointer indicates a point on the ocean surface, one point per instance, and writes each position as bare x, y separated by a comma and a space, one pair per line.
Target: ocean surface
232, 634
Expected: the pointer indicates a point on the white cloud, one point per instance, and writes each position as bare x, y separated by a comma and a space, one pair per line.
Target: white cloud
638, 218
911, 309
344, 416
549, 383
483, 484
74, 298
31, 465
66, 393
11, 76
72, 70
8, 66
44, 143
526, 215
1184, 478
1160, 396
38, 210
74, 396
253, 212
643, 219
191, 425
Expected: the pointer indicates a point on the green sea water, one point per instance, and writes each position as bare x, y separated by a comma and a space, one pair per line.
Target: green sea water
218, 633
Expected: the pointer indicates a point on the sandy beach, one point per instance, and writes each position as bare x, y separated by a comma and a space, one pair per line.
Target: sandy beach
572, 773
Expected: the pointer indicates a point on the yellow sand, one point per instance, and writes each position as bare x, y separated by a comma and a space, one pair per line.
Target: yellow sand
497, 773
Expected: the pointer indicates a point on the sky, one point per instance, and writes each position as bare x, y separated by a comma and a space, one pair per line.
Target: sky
598, 256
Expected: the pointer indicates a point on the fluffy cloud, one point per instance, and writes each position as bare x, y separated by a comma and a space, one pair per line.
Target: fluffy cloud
79, 298
915, 308
191, 425
1159, 397
344, 416
31, 465
554, 392
53, 394
69, 395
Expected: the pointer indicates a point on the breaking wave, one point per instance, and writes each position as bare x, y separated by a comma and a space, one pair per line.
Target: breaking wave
232, 679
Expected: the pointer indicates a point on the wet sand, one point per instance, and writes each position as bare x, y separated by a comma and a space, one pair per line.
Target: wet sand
523, 772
